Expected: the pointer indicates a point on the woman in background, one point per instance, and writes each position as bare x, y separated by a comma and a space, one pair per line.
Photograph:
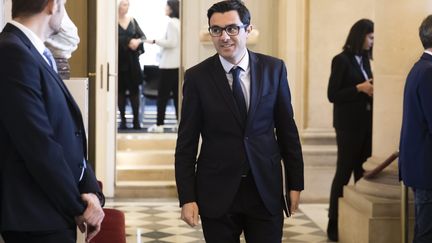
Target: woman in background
350, 89
130, 74
169, 64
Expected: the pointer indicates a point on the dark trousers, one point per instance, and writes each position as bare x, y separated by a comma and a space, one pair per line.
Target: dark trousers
134, 100
247, 214
423, 216
63, 236
125, 84
354, 147
168, 84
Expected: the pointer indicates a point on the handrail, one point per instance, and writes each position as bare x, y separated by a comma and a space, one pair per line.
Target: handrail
404, 194
372, 173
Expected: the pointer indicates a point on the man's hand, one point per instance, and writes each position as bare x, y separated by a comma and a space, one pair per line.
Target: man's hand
366, 87
189, 213
92, 217
295, 200
79, 220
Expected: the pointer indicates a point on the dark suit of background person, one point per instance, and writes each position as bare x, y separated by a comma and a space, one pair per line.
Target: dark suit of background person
42, 146
229, 197
352, 114
415, 158
130, 73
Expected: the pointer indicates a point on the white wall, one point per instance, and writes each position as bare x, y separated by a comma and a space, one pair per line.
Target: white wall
329, 24
150, 15
5, 10
1, 14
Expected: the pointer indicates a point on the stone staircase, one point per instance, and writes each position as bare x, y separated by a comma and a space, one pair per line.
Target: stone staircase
319, 154
145, 166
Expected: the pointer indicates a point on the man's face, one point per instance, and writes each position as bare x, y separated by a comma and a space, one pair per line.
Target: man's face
231, 48
57, 16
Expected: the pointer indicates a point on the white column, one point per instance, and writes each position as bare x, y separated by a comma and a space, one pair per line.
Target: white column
292, 48
2, 14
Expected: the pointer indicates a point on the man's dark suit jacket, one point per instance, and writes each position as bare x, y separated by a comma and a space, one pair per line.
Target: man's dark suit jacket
415, 157
349, 105
42, 142
209, 110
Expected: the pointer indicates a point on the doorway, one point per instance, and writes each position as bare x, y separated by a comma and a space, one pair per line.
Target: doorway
152, 20
145, 160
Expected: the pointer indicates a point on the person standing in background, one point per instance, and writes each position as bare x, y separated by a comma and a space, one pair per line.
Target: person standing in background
415, 157
350, 89
47, 188
130, 75
169, 65
239, 103
63, 44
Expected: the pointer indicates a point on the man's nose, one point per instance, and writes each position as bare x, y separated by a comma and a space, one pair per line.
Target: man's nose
224, 36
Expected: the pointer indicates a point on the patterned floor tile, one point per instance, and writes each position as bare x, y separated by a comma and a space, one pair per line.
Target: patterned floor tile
179, 239
178, 230
159, 222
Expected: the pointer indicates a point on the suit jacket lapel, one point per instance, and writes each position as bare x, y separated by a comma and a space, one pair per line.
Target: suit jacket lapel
367, 67
256, 79
221, 82
74, 107
60, 83
356, 65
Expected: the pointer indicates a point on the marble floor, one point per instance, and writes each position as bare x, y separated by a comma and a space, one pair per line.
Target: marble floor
158, 221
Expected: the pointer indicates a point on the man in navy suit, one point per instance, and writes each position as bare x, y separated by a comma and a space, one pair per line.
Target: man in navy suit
239, 103
46, 186
415, 158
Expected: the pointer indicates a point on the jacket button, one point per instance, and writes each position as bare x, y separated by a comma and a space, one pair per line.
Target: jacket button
77, 134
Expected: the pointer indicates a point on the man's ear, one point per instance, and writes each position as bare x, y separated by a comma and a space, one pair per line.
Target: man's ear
249, 29
51, 6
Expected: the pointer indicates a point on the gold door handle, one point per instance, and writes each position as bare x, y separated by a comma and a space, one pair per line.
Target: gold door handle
92, 74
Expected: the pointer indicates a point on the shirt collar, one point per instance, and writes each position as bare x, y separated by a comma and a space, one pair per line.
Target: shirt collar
227, 66
34, 39
358, 58
428, 52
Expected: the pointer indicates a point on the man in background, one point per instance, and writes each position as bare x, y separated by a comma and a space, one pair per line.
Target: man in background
46, 186
415, 159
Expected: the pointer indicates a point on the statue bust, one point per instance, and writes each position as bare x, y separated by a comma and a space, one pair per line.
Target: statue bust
62, 44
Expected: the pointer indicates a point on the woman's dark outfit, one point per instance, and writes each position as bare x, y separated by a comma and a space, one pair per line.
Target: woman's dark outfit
130, 74
352, 120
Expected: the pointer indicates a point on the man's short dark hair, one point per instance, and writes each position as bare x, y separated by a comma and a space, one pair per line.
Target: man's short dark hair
174, 6
356, 37
425, 32
229, 5
26, 8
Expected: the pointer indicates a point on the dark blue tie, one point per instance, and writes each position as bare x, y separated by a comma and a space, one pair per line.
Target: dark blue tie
241, 104
50, 59
238, 92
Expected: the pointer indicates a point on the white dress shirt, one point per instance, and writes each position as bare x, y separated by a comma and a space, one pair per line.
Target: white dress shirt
360, 62
245, 79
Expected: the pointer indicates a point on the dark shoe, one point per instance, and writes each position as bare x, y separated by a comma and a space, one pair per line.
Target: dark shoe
332, 230
136, 126
122, 125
